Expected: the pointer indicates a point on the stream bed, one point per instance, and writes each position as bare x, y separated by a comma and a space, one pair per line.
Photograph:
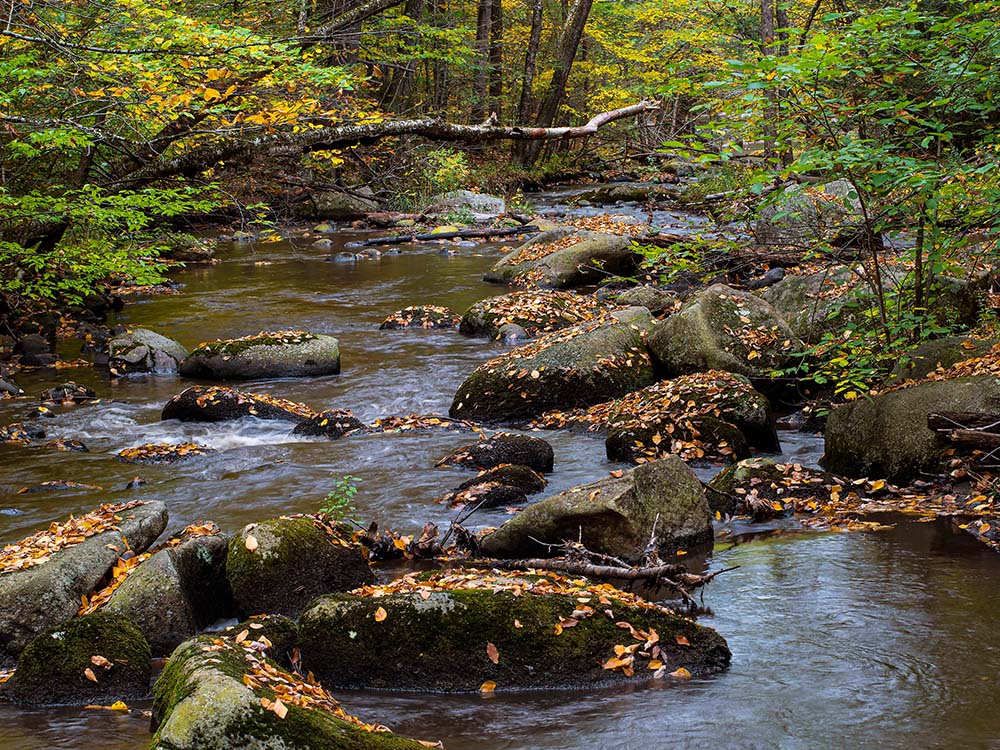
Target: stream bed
839, 640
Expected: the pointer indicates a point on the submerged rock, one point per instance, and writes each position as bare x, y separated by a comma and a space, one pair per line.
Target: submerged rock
613, 516
215, 403
20, 434
572, 368
332, 423
163, 453
504, 448
564, 258
535, 311
278, 566
278, 354
471, 631
43, 582
420, 316
141, 351
93, 659
221, 697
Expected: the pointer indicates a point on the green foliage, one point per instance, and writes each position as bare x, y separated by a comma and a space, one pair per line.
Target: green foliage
339, 502
687, 261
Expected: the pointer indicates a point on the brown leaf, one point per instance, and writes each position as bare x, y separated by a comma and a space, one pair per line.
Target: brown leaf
681, 640
99, 661
89, 674
492, 653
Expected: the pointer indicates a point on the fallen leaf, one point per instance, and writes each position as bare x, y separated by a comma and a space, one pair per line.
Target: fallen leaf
488, 687
380, 614
681, 674
99, 661
492, 653
89, 674
681, 640
251, 543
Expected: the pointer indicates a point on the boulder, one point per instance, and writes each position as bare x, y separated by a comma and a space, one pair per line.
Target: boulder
420, 316
19, 434
480, 206
627, 192
763, 488
9, 389
336, 206
94, 659
722, 328
280, 354
564, 258
160, 454
566, 369
35, 351
614, 516
175, 592
925, 358
141, 351
331, 423
887, 435
480, 631
187, 249
68, 393
504, 448
215, 403
279, 565
49, 592
805, 216
507, 484
512, 333
536, 311
221, 697
817, 303
657, 301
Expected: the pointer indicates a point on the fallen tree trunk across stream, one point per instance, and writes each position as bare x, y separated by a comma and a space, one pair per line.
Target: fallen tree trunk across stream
400, 238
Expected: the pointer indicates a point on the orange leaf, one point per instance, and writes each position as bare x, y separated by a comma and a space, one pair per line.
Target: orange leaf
681, 674
681, 640
89, 674
491, 651
488, 687
380, 614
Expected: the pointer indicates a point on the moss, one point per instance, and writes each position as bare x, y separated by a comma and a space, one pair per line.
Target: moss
440, 644
235, 347
282, 354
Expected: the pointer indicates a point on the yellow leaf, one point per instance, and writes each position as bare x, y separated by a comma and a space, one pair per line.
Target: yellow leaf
488, 687
380, 614
681, 674
878, 484
211, 95
654, 664
118, 706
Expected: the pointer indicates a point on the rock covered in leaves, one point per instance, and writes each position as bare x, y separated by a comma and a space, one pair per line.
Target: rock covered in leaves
162, 453
504, 448
616, 515
140, 351
942, 353
567, 369
215, 403
506, 484
480, 631
68, 393
94, 659
269, 354
44, 577
722, 328
279, 565
763, 488
20, 434
536, 311
224, 692
564, 258
332, 423
420, 316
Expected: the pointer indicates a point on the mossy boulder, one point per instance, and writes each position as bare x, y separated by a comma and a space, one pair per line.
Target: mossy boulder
335, 206
504, 448
627, 192
421, 316
279, 354
201, 702
615, 516
176, 592
504, 630
820, 302
764, 488
567, 369
215, 403
887, 435
657, 301
98, 658
279, 565
925, 358
564, 258
141, 351
49, 594
331, 423
536, 311
722, 328
807, 215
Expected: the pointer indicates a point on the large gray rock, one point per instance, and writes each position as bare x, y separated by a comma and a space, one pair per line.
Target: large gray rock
564, 258
887, 436
805, 216
575, 367
628, 192
816, 303
479, 205
510, 630
94, 659
49, 594
536, 311
143, 351
614, 516
201, 702
722, 328
281, 354
336, 206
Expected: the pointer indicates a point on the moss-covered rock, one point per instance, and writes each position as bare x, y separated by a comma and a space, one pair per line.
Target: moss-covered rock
504, 448
537, 311
614, 516
628, 192
98, 658
723, 329
279, 565
478, 205
420, 316
575, 367
215, 403
335, 206
887, 436
49, 594
141, 351
514, 631
331, 423
564, 258
944, 352
657, 301
279, 354
816, 303
763, 488
202, 702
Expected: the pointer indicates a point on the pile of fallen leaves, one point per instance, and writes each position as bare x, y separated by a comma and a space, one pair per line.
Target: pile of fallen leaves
40, 546
264, 338
542, 311
538, 250
420, 422
219, 393
675, 408
162, 453
988, 364
619, 224
14, 433
6, 674
421, 316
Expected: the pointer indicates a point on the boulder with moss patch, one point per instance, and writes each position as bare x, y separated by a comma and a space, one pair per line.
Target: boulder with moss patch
615, 515
336, 206
141, 351
817, 303
98, 658
536, 311
504, 448
575, 367
805, 215
279, 565
216, 403
219, 694
927, 357
764, 488
477, 630
269, 354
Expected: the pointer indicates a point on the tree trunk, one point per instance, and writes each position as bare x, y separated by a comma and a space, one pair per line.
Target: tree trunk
398, 89
481, 78
767, 48
496, 59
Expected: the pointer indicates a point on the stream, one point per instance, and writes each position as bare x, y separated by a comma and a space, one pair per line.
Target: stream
887, 640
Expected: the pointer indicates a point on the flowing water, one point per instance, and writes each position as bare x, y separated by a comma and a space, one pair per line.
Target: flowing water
839, 640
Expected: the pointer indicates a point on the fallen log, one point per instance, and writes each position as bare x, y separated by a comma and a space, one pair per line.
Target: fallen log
974, 439
947, 421
401, 238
